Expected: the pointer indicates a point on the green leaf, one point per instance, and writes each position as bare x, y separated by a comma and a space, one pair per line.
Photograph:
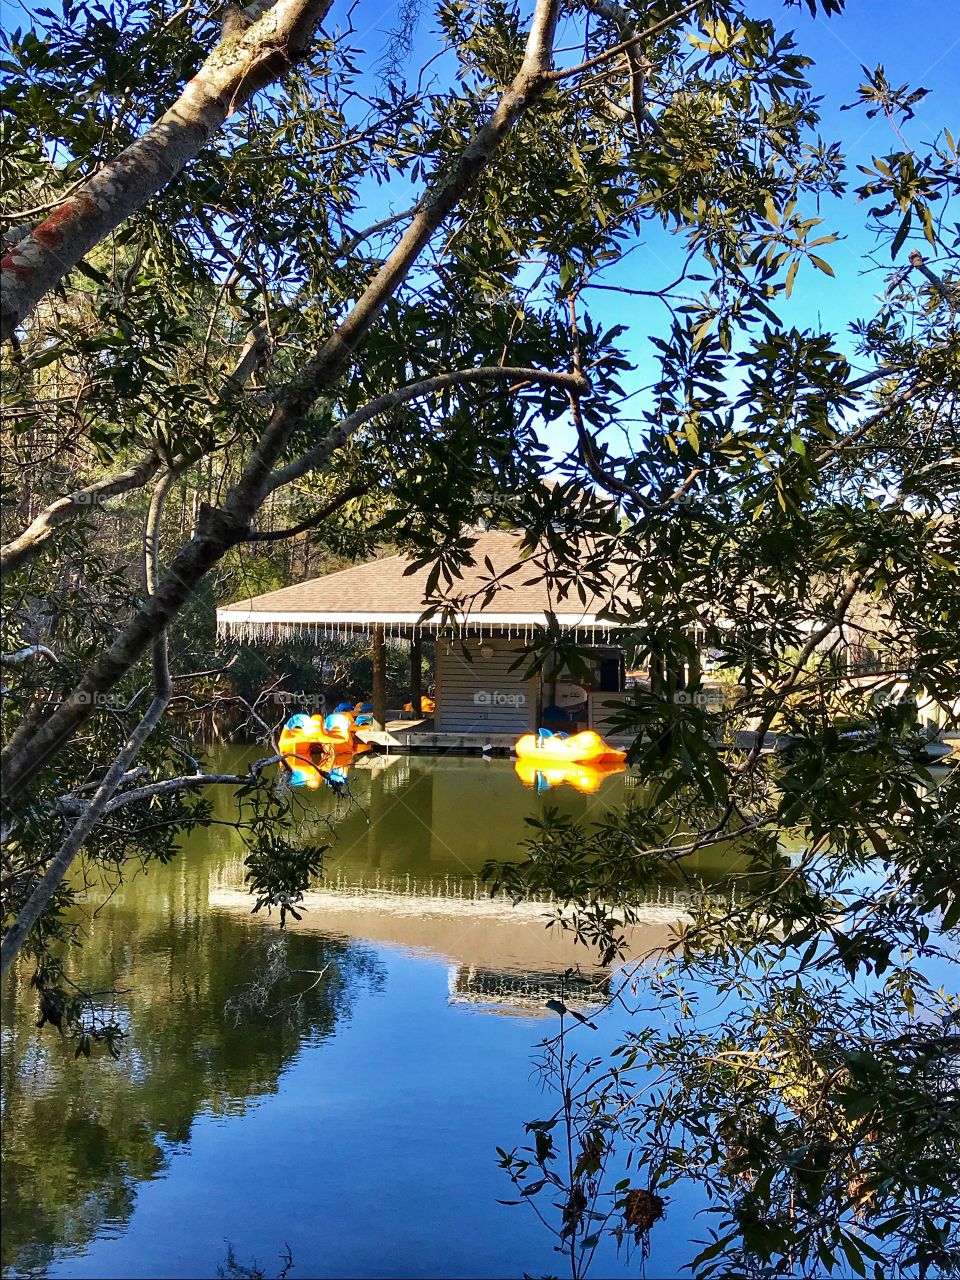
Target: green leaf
853, 1254
902, 233
926, 217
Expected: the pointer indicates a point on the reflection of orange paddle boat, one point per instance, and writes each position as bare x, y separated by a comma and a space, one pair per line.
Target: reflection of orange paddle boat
557, 748
582, 777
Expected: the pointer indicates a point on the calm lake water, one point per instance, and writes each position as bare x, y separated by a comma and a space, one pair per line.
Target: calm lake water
358, 1122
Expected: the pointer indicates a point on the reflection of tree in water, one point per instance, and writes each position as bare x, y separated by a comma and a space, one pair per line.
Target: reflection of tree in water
80, 1136
233, 1269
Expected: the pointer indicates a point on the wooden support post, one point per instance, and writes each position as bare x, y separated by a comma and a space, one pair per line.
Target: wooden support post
677, 674
379, 677
694, 669
416, 675
658, 675
673, 678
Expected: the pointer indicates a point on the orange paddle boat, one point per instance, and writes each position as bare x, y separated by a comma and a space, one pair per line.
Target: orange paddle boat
305, 737
548, 748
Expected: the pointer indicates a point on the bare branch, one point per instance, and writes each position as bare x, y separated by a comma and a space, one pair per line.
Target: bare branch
132, 775
189, 782
39, 531
255, 349
936, 282
211, 671
347, 246
338, 436
564, 73
167, 786
636, 65
274, 535
783, 687
21, 656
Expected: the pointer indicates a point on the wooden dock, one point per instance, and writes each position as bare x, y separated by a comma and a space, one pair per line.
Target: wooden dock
416, 735
411, 735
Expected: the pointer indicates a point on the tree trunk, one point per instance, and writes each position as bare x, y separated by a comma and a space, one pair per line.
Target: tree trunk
694, 667
236, 69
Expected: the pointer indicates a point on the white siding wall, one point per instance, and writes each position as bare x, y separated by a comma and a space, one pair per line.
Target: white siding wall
601, 713
483, 695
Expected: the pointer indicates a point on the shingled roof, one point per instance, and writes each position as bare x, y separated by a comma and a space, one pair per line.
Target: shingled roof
382, 592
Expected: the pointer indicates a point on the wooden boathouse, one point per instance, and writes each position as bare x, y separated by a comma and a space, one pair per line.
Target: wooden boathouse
481, 697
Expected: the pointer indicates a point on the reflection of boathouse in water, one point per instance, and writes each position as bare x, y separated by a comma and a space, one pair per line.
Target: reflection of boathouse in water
499, 954
403, 870
507, 990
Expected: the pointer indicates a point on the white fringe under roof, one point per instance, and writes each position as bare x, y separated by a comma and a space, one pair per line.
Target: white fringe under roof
388, 593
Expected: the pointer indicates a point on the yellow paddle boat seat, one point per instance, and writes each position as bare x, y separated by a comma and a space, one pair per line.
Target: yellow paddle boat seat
427, 706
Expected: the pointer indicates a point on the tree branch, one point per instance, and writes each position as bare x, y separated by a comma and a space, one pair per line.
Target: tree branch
939, 286
338, 436
39, 531
636, 64
21, 656
564, 73
278, 37
347, 247
330, 508
255, 348
784, 686
43, 893
186, 782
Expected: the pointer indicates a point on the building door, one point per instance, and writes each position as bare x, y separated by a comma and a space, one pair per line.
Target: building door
611, 673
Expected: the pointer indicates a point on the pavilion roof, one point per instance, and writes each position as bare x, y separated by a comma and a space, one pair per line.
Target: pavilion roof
383, 592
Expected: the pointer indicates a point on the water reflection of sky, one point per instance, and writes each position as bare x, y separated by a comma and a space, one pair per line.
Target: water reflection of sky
374, 1158
361, 1131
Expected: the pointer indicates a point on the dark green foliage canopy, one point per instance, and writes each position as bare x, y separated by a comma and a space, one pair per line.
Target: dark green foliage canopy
781, 497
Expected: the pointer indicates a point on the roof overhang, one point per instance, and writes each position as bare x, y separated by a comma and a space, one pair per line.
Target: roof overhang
257, 624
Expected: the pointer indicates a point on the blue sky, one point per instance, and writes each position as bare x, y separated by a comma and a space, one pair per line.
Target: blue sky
915, 41
916, 46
